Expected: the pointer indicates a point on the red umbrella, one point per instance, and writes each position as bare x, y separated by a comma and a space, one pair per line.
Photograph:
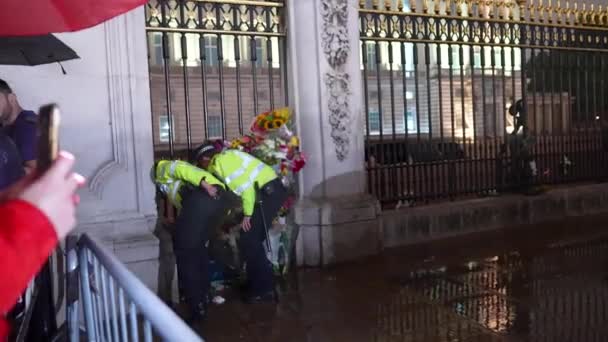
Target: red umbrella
37, 17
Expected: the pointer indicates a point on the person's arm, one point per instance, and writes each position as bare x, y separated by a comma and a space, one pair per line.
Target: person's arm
189, 173
193, 175
248, 198
27, 238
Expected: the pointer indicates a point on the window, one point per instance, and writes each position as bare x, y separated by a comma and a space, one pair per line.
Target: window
211, 51
259, 52
477, 57
156, 49
163, 128
410, 119
370, 50
373, 122
215, 127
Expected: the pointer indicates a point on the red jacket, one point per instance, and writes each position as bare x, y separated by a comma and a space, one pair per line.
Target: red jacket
27, 238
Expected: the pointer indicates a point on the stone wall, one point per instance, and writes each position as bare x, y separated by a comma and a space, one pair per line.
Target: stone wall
413, 225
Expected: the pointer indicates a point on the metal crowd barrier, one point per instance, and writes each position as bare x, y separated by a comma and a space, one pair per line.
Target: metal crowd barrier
116, 305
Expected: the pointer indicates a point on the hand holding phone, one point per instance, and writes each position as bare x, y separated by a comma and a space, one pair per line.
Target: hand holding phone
48, 142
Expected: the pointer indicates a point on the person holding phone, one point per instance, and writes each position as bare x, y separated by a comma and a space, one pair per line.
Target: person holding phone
20, 125
199, 199
36, 213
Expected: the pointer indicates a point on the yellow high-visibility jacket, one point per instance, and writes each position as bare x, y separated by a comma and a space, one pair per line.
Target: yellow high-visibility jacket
240, 171
172, 175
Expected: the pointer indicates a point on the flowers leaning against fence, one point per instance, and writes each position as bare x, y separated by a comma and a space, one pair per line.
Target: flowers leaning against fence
271, 139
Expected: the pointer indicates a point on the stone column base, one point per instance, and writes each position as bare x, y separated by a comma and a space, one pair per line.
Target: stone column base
337, 229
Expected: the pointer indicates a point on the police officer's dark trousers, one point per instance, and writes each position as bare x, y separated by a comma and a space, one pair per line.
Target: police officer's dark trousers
199, 214
259, 269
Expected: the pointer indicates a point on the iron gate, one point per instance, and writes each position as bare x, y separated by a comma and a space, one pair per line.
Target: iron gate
214, 65
440, 77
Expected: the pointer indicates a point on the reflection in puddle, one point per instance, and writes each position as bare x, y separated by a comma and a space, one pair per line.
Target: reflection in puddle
558, 293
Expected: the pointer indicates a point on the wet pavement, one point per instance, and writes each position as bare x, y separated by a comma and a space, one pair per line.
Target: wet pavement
544, 283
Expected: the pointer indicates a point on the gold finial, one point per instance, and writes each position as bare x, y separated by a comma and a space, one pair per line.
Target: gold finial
558, 11
541, 11
458, 4
448, 7
502, 10
532, 11
375, 4
388, 5
437, 6
603, 20
510, 7
412, 4
362, 4
400, 5
425, 6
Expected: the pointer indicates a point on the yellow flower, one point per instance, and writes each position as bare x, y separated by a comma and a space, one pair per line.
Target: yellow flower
235, 143
282, 113
294, 142
268, 125
277, 123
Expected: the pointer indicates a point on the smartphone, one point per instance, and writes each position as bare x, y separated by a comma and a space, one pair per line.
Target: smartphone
48, 140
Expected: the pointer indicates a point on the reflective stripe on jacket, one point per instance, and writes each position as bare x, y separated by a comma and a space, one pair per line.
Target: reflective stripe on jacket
172, 175
240, 171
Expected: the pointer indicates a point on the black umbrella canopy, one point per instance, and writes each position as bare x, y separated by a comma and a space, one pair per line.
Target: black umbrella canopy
34, 50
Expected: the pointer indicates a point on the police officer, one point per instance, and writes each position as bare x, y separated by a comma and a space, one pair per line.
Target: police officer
244, 174
198, 197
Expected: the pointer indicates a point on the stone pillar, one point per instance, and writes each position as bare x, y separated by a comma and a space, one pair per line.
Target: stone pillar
338, 220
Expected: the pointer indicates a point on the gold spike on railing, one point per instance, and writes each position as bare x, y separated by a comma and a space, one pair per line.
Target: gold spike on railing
362, 4
532, 11
400, 5
448, 7
437, 6
540, 11
550, 11
558, 12
412, 5
502, 10
388, 5
425, 6
509, 6
375, 4
489, 9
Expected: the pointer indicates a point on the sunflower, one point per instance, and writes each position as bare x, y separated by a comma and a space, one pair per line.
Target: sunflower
268, 125
278, 123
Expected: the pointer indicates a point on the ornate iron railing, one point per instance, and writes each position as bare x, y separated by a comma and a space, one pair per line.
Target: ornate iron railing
440, 78
214, 64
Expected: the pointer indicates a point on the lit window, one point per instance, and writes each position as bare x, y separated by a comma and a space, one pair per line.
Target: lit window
156, 49
211, 51
259, 52
163, 128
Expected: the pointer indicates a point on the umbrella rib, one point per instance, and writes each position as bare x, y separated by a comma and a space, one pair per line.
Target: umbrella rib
25, 57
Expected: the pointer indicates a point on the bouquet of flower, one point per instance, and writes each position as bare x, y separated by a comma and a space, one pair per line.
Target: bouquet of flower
271, 139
